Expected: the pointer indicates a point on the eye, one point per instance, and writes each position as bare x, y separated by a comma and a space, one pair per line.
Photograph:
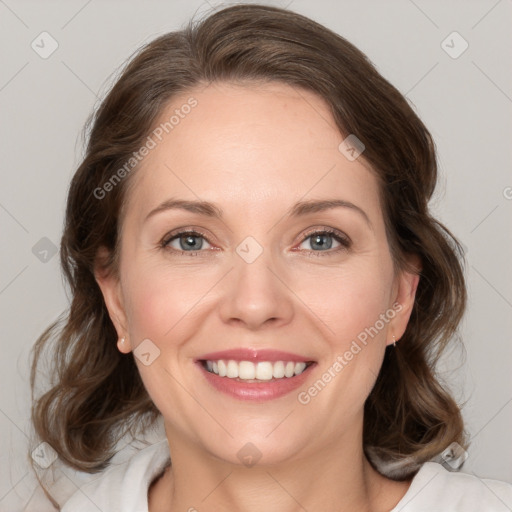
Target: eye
322, 241
190, 242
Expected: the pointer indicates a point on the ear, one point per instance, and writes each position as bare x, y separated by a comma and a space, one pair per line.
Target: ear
404, 297
112, 295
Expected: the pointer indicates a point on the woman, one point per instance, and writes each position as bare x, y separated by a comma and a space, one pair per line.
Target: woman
252, 259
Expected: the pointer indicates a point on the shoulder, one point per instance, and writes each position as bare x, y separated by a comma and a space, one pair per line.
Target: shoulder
436, 488
123, 487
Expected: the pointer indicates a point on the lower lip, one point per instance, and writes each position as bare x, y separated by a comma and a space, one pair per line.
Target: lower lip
256, 391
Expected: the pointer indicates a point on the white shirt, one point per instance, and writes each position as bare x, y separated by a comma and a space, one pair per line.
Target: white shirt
124, 488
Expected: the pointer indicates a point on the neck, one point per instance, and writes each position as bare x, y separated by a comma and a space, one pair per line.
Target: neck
338, 477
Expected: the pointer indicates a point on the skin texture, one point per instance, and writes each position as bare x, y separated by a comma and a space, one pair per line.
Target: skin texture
255, 150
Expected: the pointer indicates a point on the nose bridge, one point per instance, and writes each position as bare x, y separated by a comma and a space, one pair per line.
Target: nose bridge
255, 294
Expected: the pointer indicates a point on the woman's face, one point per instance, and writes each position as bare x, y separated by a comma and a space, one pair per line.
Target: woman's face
254, 281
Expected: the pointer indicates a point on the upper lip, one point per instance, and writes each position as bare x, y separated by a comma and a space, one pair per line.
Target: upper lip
248, 354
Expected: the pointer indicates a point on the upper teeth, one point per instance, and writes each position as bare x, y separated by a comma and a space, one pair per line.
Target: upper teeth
262, 370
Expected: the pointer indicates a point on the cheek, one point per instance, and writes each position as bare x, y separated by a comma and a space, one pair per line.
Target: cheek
159, 301
348, 299
355, 306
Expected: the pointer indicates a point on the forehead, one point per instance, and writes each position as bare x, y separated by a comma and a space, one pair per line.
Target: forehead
260, 147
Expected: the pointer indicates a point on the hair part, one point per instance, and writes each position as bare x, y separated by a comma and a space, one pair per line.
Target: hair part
97, 394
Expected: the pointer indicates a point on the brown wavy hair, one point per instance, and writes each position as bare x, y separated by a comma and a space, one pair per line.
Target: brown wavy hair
97, 395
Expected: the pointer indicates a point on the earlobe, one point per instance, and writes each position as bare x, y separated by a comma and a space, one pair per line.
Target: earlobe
408, 281
111, 290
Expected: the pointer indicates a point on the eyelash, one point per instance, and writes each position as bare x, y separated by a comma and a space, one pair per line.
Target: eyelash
337, 235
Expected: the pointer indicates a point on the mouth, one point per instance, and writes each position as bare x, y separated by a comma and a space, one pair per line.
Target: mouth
255, 375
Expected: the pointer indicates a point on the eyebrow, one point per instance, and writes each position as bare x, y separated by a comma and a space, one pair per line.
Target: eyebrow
299, 209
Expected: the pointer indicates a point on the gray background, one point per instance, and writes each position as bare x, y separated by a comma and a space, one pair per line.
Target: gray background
466, 102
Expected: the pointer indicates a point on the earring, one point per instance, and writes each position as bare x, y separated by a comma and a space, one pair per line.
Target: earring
122, 345
394, 341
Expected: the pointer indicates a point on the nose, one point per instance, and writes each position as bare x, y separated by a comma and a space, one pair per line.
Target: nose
257, 294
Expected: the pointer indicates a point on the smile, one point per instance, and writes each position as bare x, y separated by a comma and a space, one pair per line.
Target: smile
255, 372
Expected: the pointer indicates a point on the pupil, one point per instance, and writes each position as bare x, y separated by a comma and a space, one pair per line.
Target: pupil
189, 241
321, 244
